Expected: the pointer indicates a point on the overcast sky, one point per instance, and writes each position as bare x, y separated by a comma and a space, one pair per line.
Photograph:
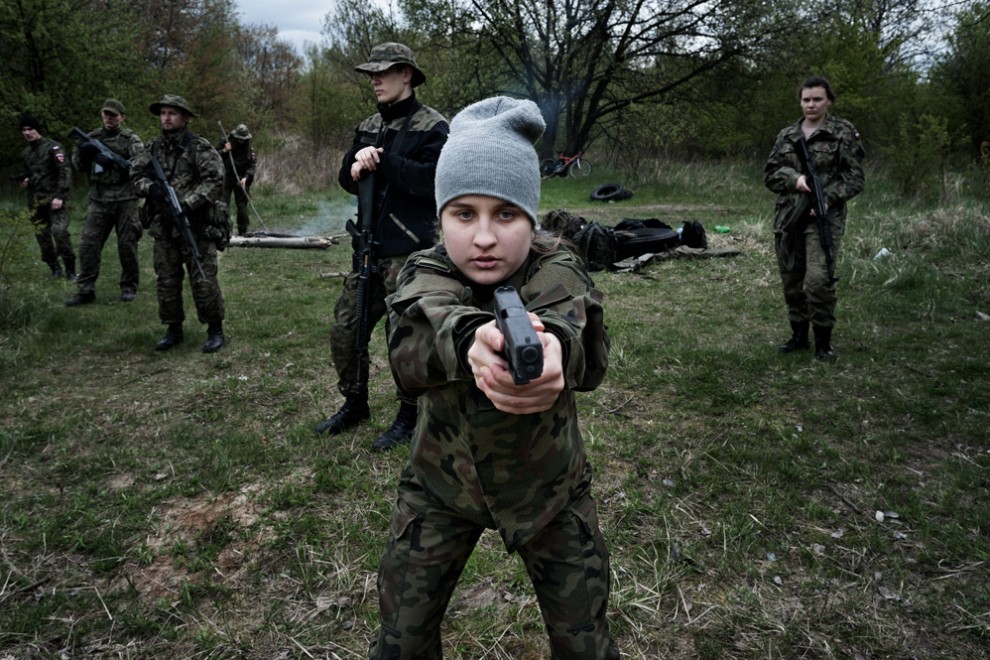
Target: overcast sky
298, 21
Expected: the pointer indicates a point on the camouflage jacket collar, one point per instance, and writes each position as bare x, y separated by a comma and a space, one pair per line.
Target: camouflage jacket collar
829, 127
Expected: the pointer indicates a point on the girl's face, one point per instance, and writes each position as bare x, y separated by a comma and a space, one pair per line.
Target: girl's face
487, 238
815, 104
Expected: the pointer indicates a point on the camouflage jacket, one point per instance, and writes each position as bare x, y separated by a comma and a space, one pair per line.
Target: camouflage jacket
245, 160
405, 210
46, 162
524, 469
194, 169
837, 151
110, 183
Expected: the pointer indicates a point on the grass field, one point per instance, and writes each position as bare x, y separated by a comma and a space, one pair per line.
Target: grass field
757, 505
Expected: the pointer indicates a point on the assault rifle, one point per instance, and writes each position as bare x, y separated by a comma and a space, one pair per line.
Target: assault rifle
523, 350
20, 176
174, 210
818, 206
104, 153
364, 264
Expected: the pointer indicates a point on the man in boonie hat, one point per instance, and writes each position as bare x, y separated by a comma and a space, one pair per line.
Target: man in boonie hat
239, 162
398, 146
195, 171
113, 205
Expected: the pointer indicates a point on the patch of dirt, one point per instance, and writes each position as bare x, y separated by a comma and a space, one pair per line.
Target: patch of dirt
186, 522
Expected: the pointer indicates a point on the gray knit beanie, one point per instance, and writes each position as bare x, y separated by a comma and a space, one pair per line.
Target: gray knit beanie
490, 152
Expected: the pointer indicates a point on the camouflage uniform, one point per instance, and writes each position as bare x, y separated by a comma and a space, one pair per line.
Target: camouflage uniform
404, 215
238, 163
837, 153
47, 165
474, 467
113, 206
195, 170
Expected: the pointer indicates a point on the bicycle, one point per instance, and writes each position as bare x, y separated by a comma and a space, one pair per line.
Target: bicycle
565, 165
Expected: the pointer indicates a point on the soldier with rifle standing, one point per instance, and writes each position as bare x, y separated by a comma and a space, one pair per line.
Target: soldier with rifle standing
181, 176
397, 148
815, 168
47, 177
105, 155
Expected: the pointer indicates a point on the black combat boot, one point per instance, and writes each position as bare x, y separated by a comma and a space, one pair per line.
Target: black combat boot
56, 269
401, 430
173, 337
214, 337
70, 269
81, 299
823, 345
799, 338
353, 412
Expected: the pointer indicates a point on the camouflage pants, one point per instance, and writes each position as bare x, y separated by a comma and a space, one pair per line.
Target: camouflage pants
803, 272
172, 260
231, 185
101, 219
51, 229
428, 547
344, 333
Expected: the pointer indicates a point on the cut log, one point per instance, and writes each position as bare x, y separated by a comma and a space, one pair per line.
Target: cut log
288, 242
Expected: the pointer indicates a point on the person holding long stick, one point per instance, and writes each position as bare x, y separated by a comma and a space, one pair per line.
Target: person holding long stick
239, 164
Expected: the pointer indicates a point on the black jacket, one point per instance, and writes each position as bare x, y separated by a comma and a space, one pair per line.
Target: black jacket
405, 210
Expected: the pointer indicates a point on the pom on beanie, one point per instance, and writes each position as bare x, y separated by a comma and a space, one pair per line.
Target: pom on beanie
490, 152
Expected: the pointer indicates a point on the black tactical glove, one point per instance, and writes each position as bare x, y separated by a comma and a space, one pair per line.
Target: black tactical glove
156, 192
87, 152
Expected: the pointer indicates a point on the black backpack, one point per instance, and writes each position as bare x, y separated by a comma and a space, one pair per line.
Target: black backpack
597, 244
693, 235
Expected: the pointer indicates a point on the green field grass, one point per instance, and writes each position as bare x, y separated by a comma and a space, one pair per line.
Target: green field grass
757, 505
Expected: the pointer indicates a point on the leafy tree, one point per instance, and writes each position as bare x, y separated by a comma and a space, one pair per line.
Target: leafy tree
585, 62
963, 75
272, 70
62, 59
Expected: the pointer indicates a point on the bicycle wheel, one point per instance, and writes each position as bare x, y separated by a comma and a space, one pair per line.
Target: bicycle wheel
548, 168
579, 167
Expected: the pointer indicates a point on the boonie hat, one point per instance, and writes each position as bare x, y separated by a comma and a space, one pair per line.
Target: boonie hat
172, 101
241, 132
114, 106
385, 56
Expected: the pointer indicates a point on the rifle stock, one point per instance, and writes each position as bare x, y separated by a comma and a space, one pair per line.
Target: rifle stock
818, 205
108, 154
363, 235
174, 209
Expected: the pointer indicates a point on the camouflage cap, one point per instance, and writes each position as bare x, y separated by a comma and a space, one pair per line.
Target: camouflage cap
114, 106
241, 132
172, 101
385, 56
